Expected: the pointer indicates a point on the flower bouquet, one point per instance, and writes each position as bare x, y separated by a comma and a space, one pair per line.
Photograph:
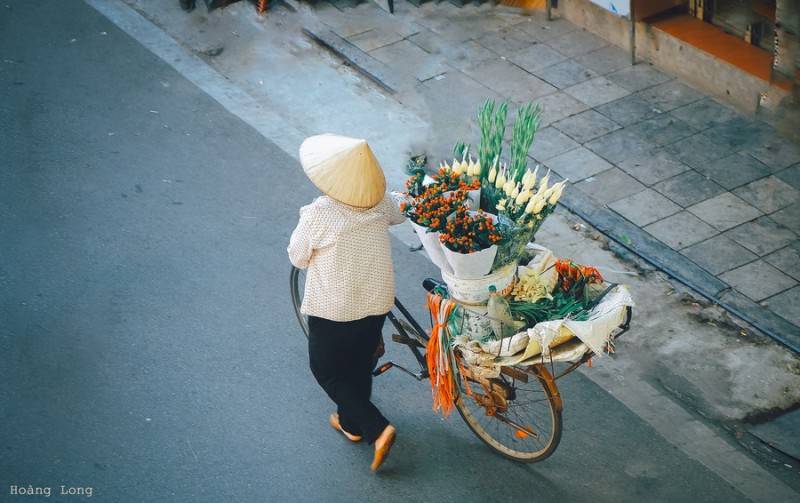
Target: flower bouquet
428, 213
470, 240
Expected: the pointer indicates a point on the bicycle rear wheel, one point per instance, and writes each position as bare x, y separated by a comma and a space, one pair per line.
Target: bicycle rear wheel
528, 431
297, 283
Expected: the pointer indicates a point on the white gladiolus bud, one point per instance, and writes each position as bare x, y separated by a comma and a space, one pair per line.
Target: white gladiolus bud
500, 181
515, 192
531, 180
532, 203
458, 168
508, 187
558, 189
501, 205
539, 206
523, 197
492, 175
477, 169
470, 168
544, 182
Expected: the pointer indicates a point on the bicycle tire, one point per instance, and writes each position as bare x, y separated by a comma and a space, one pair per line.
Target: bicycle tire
296, 291
501, 448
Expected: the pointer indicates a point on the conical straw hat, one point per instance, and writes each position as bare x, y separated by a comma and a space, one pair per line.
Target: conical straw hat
343, 168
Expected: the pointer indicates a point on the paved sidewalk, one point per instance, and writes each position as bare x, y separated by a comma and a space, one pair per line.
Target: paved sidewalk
714, 188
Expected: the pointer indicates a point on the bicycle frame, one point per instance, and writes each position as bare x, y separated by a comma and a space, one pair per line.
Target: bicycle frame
414, 342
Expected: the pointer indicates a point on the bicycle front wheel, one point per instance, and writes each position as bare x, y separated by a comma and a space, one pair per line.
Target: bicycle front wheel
297, 283
528, 429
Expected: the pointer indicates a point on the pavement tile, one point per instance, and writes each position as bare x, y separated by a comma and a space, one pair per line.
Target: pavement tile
479, 20
740, 133
776, 152
577, 164
758, 280
787, 260
619, 145
576, 43
596, 91
638, 77
438, 95
373, 39
734, 170
628, 110
670, 95
791, 176
347, 25
645, 207
789, 217
697, 150
768, 194
724, 211
541, 29
550, 142
565, 74
689, 188
458, 56
557, 106
505, 42
405, 56
782, 432
509, 80
704, 114
681, 230
610, 185
535, 57
662, 130
786, 305
586, 126
719, 254
762, 236
653, 167
605, 60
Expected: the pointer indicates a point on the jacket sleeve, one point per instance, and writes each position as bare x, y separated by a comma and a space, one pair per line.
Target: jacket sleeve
392, 203
301, 246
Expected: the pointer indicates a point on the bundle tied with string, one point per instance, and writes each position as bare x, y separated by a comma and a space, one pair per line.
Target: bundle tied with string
441, 362
553, 336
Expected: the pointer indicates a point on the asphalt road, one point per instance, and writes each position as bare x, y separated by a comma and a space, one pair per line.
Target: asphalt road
148, 348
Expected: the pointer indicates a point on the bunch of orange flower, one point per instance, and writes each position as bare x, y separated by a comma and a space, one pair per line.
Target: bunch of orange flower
431, 208
448, 179
574, 277
469, 232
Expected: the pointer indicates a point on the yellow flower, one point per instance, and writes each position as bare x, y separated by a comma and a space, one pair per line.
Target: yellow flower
515, 192
476, 171
556, 192
532, 203
530, 181
508, 187
458, 168
539, 206
544, 182
500, 181
492, 175
523, 197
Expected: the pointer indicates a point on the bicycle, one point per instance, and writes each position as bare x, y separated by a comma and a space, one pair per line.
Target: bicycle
517, 414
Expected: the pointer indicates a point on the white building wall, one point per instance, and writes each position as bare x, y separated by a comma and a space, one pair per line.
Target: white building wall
618, 7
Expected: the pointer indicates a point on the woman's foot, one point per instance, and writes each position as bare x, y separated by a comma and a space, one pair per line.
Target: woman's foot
382, 446
334, 420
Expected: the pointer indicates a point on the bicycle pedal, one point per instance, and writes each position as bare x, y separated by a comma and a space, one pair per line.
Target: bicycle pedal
383, 368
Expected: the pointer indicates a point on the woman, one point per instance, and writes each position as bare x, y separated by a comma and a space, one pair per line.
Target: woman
342, 239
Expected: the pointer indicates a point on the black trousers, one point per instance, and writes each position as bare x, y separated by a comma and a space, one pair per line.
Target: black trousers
342, 358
